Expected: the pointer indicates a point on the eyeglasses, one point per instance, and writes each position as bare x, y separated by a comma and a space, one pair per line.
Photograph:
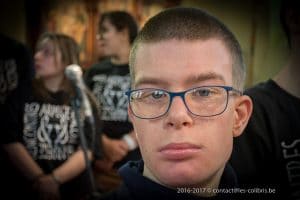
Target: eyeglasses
205, 101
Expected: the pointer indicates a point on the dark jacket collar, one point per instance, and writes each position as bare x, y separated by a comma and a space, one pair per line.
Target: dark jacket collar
136, 186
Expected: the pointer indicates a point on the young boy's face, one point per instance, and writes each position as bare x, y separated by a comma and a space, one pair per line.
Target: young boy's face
179, 148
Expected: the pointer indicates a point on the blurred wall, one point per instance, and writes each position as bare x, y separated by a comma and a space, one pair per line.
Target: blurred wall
13, 19
256, 26
254, 22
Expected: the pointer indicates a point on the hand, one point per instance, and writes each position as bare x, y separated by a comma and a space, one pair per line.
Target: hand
114, 149
47, 188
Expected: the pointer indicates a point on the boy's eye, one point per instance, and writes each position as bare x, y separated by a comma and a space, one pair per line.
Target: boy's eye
157, 94
204, 92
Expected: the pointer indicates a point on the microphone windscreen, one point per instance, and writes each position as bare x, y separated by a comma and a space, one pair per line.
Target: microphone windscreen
73, 72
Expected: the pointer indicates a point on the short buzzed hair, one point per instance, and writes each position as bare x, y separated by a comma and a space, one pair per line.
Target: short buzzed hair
190, 24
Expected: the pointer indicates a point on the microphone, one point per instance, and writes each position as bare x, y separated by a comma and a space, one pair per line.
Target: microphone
74, 74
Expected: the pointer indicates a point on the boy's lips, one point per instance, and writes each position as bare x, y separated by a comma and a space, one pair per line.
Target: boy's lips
179, 151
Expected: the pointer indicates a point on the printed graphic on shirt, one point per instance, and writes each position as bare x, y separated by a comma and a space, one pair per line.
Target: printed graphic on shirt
291, 154
8, 78
110, 90
50, 131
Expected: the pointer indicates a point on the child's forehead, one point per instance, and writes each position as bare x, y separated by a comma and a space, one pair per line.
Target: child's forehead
207, 53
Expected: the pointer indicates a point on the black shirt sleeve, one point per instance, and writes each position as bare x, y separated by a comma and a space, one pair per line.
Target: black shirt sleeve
16, 73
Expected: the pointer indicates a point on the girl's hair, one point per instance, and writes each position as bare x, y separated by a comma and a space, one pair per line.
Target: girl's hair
69, 51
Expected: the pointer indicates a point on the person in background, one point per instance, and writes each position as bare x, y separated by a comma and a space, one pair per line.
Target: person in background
267, 154
186, 105
16, 74
46, 147
108, 81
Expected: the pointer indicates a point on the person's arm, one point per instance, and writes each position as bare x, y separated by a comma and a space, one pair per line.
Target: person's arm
48, 185
117, 149
23, 161
71, 168
114, 149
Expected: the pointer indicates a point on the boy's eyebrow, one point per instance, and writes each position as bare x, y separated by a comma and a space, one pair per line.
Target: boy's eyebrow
150, 81
204, 77
189, 81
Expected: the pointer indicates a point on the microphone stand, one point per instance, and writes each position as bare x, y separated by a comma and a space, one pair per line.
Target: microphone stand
76, 105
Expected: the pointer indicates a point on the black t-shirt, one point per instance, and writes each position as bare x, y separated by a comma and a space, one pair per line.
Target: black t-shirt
16, 67
267, 154
50, 130
109, 82
50, 133
16, 73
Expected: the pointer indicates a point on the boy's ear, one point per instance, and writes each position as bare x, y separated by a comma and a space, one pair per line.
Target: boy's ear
242, 113
130, 115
